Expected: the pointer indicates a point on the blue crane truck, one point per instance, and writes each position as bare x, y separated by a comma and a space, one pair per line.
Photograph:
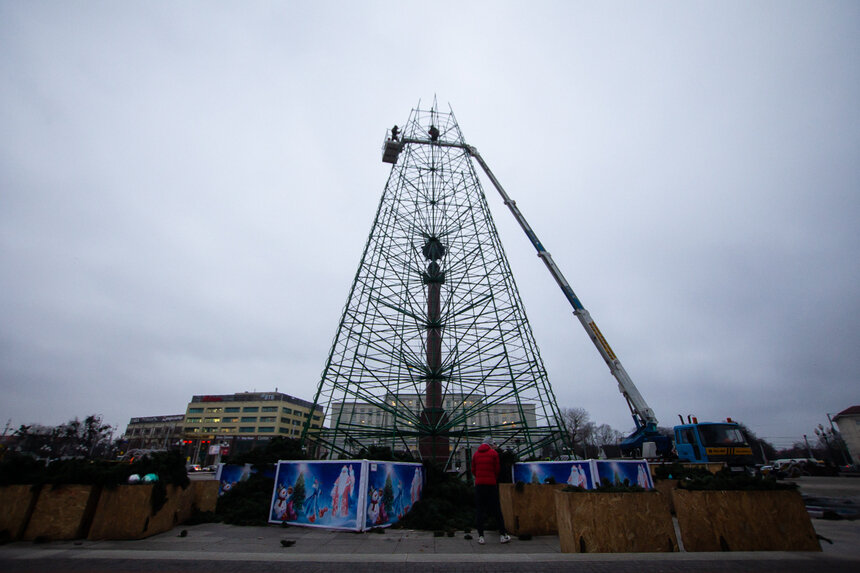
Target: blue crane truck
708, 442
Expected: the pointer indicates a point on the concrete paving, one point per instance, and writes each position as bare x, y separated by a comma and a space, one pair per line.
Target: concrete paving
227, 548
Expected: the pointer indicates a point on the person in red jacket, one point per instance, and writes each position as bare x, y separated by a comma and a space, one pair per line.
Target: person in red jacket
485, 468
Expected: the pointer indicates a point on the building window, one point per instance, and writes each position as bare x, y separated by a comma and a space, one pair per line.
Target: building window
211, 429
246, 429
231, 409
193, 420
249, 418
251, 409
267, 419
285, 420
297, 423
269, 409
230, 419
266, 429
215, 410
212, 420
283, 431
228, 430
287, 410
316, 417
195, 410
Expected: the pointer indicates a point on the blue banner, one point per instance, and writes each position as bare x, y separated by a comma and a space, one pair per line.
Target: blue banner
392, 490
578, 473
228, 475
319, 493
586, 474
633, 472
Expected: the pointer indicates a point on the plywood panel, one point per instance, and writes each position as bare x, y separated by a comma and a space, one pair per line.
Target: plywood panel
744, 521
205, 494
126, 512
62, 513
16, 503
665, 487
530, 510
596, 522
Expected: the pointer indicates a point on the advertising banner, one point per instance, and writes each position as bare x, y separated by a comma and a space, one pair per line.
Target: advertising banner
346, 494
578, 473
634, 472
586, 474
392, 490
328, 494
228, 475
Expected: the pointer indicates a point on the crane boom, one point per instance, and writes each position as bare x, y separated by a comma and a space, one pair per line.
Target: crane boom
643, 415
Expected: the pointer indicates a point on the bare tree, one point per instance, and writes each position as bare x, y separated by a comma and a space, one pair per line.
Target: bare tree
579, 426
90, 438
606, 435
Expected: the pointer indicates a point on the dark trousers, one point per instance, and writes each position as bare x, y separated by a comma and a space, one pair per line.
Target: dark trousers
487, 504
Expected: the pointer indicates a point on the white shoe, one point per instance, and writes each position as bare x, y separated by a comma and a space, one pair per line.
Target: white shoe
506, 538
481, 540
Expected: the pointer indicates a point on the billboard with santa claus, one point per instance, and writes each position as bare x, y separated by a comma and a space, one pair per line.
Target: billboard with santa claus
345, 494
326, 494
392, 490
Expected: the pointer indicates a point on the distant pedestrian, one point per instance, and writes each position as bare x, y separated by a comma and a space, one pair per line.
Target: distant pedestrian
395, 131
485, 468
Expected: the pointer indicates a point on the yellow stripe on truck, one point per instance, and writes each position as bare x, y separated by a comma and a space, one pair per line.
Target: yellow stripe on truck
729, 451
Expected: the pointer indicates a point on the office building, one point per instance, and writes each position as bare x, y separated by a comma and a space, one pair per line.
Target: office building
217, 425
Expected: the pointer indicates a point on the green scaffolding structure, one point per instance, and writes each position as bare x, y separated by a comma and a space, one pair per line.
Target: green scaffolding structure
434, 352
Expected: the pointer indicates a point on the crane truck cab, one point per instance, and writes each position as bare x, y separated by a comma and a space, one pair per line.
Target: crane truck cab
713, 442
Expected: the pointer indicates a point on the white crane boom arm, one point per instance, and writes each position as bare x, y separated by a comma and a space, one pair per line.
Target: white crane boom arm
641, 411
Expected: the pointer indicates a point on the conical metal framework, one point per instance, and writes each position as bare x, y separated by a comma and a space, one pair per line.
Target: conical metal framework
433, 352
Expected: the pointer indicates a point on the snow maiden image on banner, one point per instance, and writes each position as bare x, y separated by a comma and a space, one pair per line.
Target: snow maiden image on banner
635, 472
392, 490
577, 473
319, 494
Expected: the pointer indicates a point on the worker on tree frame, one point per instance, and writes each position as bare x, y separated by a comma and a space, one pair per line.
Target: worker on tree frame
394, 132
485, 468
434, 133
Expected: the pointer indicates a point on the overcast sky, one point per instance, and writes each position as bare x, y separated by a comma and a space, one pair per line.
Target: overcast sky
186, 190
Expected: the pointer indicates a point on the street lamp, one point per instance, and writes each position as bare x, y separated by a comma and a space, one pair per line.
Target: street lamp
822, 433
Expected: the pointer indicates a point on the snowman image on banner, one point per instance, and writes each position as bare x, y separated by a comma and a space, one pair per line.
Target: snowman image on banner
283, 508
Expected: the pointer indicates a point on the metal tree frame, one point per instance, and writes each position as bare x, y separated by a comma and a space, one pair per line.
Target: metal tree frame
434, 351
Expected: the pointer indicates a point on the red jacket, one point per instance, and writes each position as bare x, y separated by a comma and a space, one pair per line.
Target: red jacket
485, 465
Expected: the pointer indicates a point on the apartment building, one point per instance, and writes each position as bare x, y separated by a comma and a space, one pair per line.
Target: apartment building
154, 432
